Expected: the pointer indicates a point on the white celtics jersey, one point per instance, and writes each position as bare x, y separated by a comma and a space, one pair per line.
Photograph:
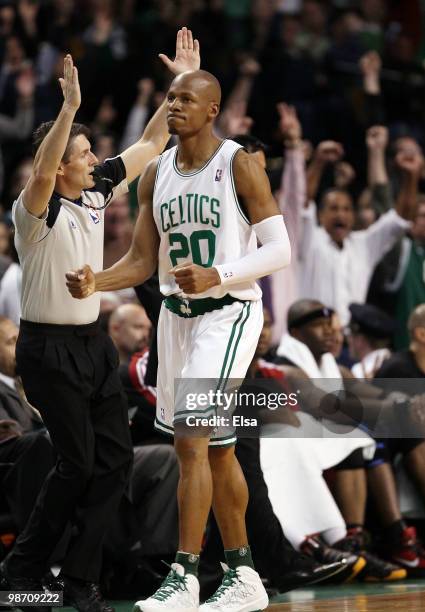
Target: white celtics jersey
199, 220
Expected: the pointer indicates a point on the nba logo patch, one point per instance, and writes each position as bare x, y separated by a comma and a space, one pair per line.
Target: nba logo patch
72, 224
94, 215
218, 174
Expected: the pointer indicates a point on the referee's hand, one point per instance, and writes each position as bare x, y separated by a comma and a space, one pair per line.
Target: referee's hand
81, 283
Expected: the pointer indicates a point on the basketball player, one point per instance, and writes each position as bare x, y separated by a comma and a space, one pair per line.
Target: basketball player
203, 204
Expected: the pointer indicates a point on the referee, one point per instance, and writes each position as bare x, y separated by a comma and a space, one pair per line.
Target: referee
67, 364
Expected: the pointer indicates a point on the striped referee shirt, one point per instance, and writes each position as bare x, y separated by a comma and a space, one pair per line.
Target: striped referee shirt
67, 236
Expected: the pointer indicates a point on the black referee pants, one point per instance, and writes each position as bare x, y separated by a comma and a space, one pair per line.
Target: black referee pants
70, 375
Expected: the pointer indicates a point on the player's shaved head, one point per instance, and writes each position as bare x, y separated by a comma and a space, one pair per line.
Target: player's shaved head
200, 82
193, 103
301, 308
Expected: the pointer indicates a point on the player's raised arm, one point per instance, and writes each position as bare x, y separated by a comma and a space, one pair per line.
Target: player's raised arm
48, 158
138, 264
156, 135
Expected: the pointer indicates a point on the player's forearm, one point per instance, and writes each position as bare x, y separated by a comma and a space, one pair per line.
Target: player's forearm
52, 149
127, 272
274, 254
156, 130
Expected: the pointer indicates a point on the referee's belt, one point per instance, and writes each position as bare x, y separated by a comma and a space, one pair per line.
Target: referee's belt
193, 308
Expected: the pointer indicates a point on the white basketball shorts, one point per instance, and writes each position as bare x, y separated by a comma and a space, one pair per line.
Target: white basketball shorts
218, 345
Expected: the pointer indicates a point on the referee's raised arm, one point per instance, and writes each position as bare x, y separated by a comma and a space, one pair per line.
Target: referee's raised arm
41, 183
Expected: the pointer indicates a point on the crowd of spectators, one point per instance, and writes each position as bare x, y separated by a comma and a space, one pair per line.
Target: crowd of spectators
336, 90
306, 53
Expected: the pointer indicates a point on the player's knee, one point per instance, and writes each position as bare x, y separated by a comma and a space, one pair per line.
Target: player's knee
191, 451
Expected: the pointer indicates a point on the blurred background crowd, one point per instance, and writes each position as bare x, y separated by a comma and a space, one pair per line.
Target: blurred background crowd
330, 96
313, 75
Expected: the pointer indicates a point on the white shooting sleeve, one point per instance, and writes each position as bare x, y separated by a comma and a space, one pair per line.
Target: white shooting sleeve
273, 254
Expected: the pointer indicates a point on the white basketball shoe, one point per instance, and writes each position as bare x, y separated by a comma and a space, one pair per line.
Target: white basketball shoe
179, 592
240, 591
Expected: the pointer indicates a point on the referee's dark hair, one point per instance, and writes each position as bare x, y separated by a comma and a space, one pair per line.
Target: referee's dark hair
43, 129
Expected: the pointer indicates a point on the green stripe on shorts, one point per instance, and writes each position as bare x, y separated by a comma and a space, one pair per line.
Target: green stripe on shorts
229, 346
238, 339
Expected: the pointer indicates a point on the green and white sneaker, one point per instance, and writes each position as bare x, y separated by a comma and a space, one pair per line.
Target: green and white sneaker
240, 591
179, 592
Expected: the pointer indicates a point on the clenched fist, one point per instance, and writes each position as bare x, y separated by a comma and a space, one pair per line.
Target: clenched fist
192, 278
81, 283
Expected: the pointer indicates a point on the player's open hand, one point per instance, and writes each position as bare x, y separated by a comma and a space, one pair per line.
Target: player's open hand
192, 278
81, 283
70, 84
187, 53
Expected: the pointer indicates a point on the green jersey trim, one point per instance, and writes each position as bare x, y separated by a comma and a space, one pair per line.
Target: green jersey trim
190, 174
235, 195
156, 175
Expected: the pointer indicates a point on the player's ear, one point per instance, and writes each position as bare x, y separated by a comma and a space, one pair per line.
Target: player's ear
60, 170
214, 110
